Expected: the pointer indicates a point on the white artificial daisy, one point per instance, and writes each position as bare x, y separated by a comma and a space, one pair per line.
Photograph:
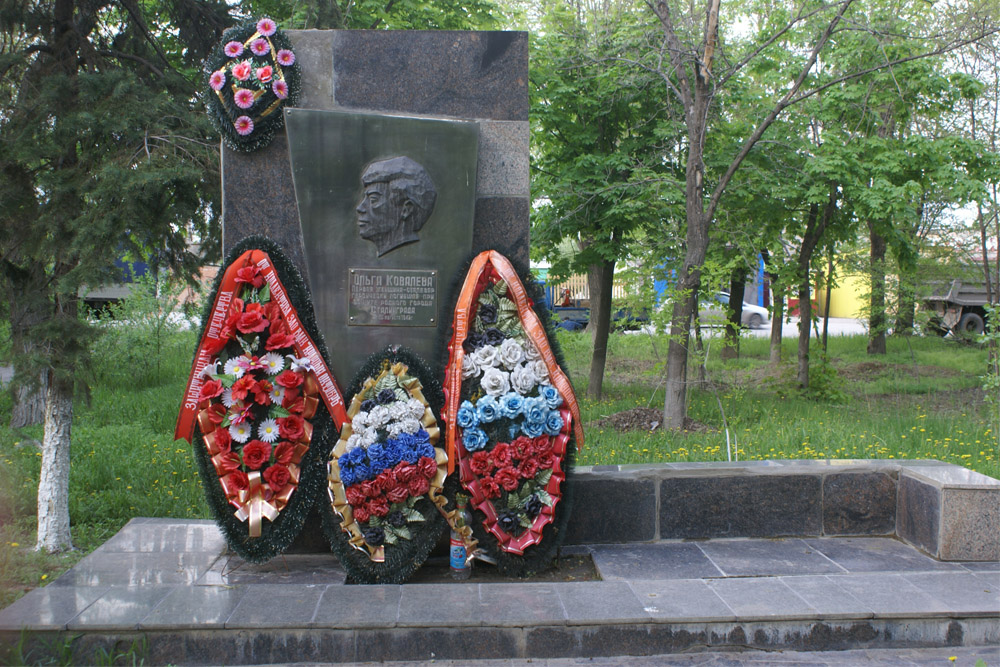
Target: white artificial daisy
273, 363
268, 430
469, 367
233, 367
240, 432
227, 398
277, 394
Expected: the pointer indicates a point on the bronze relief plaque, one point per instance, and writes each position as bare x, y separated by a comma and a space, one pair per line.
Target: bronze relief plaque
386, 206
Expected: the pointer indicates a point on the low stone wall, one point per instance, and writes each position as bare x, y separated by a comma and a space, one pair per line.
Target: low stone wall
947, 511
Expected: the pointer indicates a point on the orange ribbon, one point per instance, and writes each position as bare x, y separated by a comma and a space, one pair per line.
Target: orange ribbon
253, 506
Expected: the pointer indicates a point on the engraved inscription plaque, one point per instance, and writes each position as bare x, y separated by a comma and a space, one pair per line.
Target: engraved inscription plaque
386, 205
392, 298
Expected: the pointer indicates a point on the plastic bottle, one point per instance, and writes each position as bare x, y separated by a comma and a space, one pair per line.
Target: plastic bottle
461, 564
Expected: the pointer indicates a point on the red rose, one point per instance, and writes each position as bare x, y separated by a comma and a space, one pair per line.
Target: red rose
369, 489
361, 514
252, 321
545, 461
239, 480
289, 379
223, 440
228, 463
405, 472
354, 495
244, 386
528, 468
501, 455
283, 453
277, 476
378, 506
291, 427
296, 404
507, 478
521, 447
210, 390
397, 494
256, 454
427, 467
264, 74
541, 445
418, 486
481, 464
490, 488
279, 338
250, 274
242, 70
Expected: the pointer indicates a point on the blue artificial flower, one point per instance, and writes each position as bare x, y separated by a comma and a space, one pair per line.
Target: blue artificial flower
474, 439
422, 436
553, 423
363, 472
533, 429
467, 417
511, 404
425, 449
357, 455
394, 452
378, 457
550, 395
346, 475
487, 409
535, 410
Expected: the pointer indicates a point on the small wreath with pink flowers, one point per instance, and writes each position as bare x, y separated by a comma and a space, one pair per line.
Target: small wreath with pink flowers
251, 76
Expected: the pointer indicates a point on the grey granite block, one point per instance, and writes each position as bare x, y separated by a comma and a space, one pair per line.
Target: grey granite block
459, 74
762, 598
402, 644
49, 608
918, 513
874, 554
194, 607
964, 594
628, 511
970, 525
859, 503
652, 561
276, 606
589, 602
501, 224
890, 595
166, 538
431, 604
314, 54
740, 558
358, 607
747, 505
829, 600
285, 569
681, 601
120, 608
503, 159
520, 605
137, 569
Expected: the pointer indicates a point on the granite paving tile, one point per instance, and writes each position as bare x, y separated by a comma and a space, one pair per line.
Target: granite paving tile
201, 607
358, 607
762, 598
166, 538
681, 600
286, 569
49, 608
519, 605
823, 594
276, 606
981, 566
120, 608
440, 604
890, 595
137, 569
601, 602
876, 554
652, 561
962, 593
767, 557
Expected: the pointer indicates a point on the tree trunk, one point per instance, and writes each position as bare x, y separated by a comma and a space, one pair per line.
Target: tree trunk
906, 313
600, 278
29, 403
876, 316
815, 226
829, 294
53, 485
734, 321
777, 323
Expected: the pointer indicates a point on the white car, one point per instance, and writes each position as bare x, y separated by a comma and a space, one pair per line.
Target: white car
713, 313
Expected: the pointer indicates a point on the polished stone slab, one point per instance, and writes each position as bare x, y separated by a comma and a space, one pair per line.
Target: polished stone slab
681, 600
829, 600
358, 607
762, 598
859, 503
137, 569
628, 510
890, 595
767, 557
141, 537
320, 569
875, 554
276, 606
984, 566
120, 608
448, 604
194, 606
962, 593
674, 560
49, 608
601, 602
518, 605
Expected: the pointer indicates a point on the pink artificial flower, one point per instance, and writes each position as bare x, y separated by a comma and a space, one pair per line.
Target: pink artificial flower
266, 27
233, 49
286, 58
264, 74
280, 89
242, 70
243, 98
217, 80
260, 47
244, 126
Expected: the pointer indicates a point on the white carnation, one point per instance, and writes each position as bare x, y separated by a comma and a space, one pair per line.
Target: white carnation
495, 382
511, 353
354, 441
469, 367
398, 410
523, 379
379, 416
415, 409
368, 437
410, 425
360, 421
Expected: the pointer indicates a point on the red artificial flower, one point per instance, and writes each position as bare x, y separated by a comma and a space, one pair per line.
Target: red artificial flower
541, 445
215, 345
277, 476
361, 514
406, 472
228, 463
501, 455
264, 74
239, 480
210, 390
418, 486
235, 311
397, 494
256, 454
427, 467
378, 506
354, 495
283, 453
279, 338
291, 428
489, 487
216, 413
262, 392
223, 440
243, 387
252, 320
481, 463
295, 404
242, 70
250, 275
507, 478
386, 480
289, 379
545, 461
272, 312
522, 447
369, 489
528, 468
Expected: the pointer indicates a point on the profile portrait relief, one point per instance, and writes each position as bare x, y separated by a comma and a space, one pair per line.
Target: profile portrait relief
398, 199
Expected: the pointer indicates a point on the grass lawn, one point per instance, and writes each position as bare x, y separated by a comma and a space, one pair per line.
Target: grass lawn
922, 400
